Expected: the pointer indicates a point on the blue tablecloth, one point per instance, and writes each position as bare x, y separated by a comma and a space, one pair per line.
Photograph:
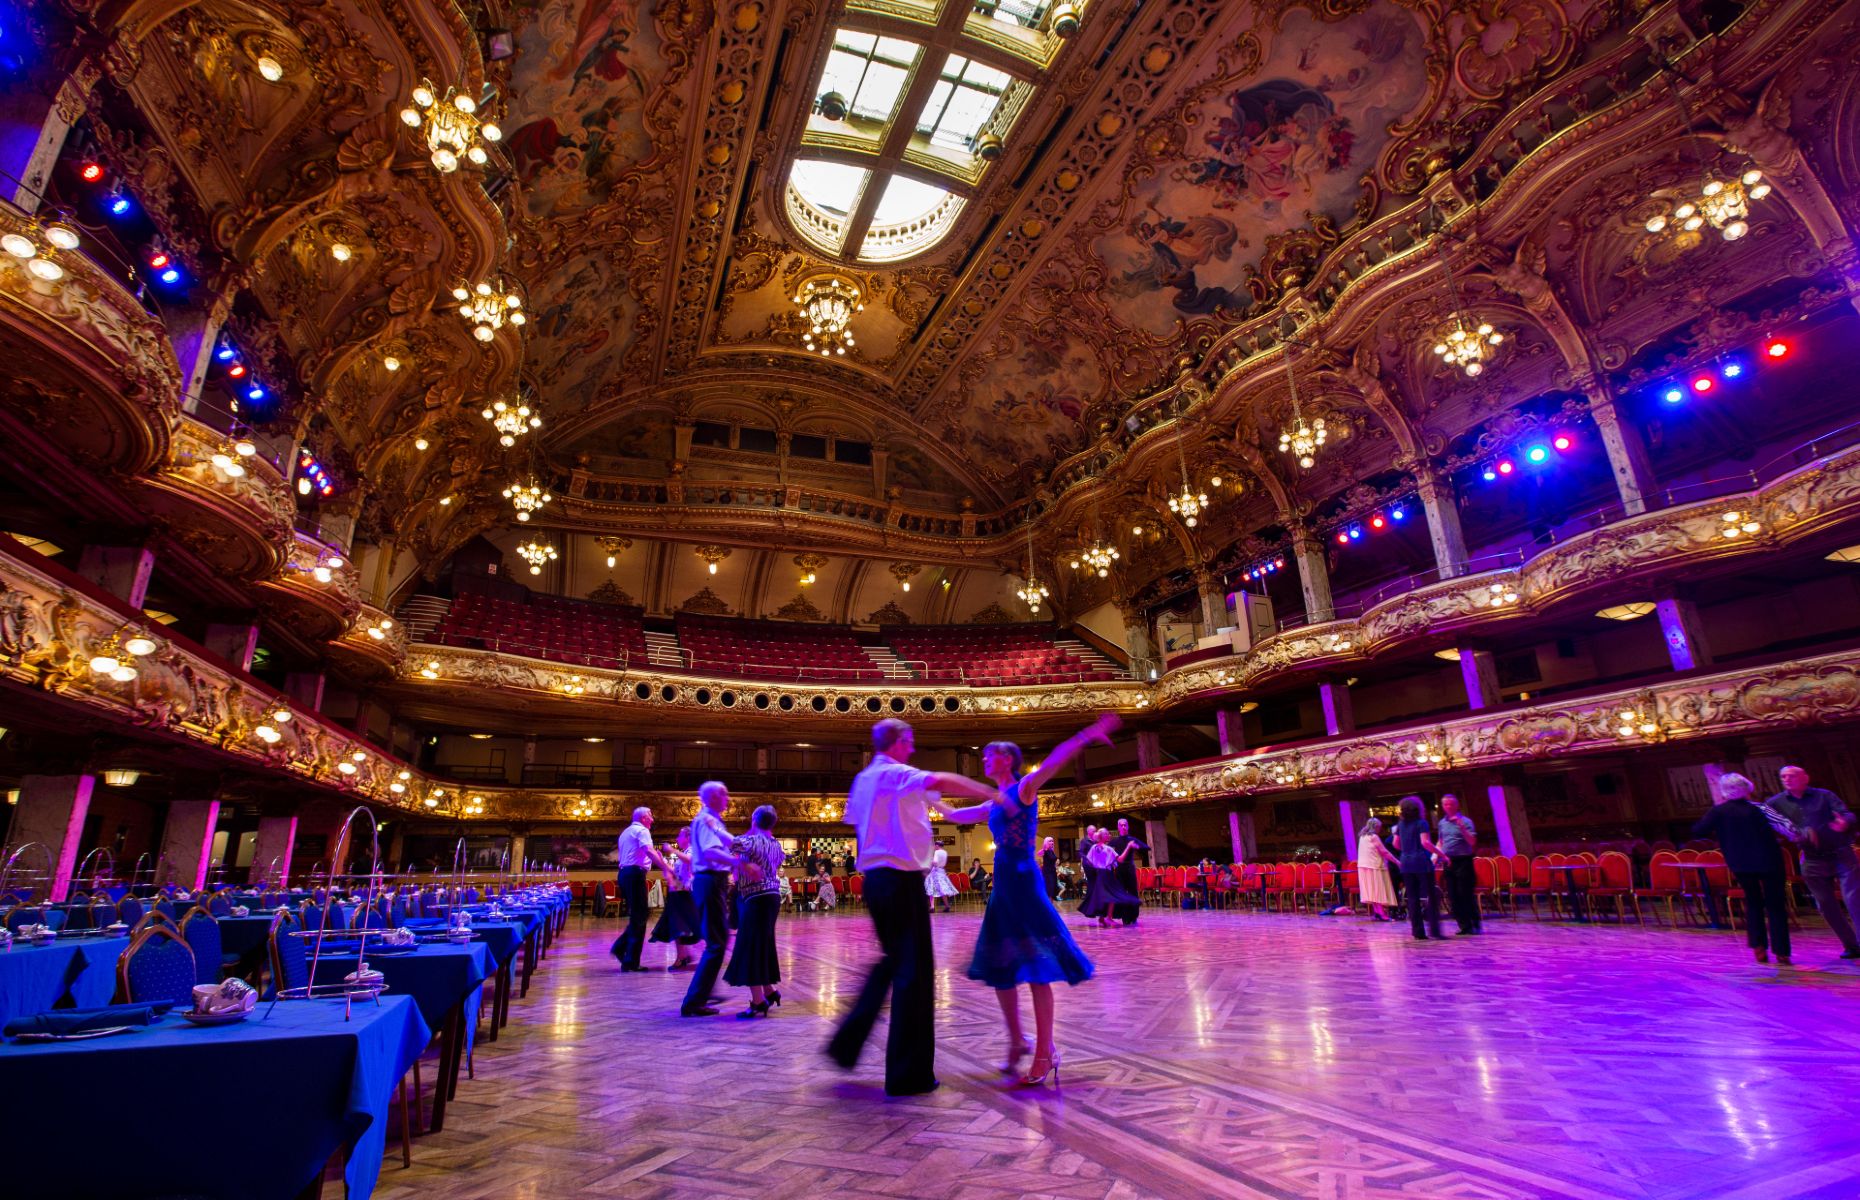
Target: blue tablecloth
437, 975
320, 1082
502, 938
35, 978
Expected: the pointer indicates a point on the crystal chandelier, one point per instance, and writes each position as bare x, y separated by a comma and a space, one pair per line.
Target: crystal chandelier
1032, 592
829, 303
1187, 503
536, 553
1724, 204
1096, 558
488, 308
450, 126
1301, 440
511, 422
527, 498
1468, 344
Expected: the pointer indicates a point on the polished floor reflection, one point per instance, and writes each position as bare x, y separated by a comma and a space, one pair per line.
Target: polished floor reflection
1214, 1055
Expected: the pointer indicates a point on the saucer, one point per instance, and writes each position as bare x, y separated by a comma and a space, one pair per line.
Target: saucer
217, 1018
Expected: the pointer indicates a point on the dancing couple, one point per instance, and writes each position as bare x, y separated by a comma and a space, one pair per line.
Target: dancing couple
1022, 939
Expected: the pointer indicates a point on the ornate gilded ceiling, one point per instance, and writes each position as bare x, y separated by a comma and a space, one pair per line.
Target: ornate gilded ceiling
1193, 192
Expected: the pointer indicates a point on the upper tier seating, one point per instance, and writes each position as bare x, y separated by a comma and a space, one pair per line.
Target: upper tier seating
570, 631
993, 655
781, 649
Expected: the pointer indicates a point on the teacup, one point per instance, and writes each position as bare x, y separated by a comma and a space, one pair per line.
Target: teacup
204, 996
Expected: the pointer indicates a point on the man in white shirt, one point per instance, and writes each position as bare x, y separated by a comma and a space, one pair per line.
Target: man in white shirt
711, 863
889, 807
636, 856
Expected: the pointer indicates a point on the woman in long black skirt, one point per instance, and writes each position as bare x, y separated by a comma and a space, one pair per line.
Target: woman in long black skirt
1106, 892
758, 884
678, 920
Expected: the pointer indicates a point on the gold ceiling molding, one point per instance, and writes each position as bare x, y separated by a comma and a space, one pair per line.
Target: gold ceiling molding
1809, 692
705, 603
610, 592
890, 614
798, 609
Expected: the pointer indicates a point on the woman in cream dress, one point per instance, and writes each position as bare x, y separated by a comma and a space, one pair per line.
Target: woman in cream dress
1372, 869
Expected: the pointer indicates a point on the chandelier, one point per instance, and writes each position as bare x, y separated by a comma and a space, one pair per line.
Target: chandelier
1467, 344
526, 498
511, 422
903, 572
1032, 592
1301, 440
829, 303
613, 545
1724, 204
811, 566
536, 553
712, 555
1187, 503
488, 308
450, 126
1096, 558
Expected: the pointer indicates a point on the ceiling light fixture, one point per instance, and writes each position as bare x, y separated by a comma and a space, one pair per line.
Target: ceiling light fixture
1300, 439
1468, 343
712, 555
1032, 592
527, 497
903, 572
488, 307
536, 553
511, 421
811, 566
1722, 203
829, 302
450, 127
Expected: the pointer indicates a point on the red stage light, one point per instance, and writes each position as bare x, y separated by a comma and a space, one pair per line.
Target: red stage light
1776, 349
1562, 441
1505, 468
237, 370
158, 260
91, 172
1377, 522
1343, 539
1702, 384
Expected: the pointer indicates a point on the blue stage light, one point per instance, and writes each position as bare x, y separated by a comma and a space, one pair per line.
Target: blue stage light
1537, 454
1673, 395
1398, 514
120, 205
1490, 475
255, 392
224, 353
1733, 370
1356, 531
170, 276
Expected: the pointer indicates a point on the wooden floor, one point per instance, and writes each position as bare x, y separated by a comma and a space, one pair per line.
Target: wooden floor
1215, 1054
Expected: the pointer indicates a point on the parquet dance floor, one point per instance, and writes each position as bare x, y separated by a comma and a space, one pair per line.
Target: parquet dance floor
1214, 1055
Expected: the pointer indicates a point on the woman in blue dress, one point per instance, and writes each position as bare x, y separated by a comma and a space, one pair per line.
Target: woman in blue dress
1022, 938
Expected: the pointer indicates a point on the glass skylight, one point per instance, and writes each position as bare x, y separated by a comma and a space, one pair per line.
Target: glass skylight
829, 186
1024, 13
907, 200
869, 71
963, 98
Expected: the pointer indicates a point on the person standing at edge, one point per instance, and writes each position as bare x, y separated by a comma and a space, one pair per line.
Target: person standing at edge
1457, 838
1752, 853
1825, 833
889, 808
637, 854
712, 860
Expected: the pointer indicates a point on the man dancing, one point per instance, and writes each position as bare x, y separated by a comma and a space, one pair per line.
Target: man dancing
1127, 871
712, 860
636, 855
889, 808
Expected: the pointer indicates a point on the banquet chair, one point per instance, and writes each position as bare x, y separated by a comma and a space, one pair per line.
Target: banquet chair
311, 915
165, 906
129, 910
77, 916
157, 966
23, 914
200, 929
102, 914
289, 966
1616, 885
219, 904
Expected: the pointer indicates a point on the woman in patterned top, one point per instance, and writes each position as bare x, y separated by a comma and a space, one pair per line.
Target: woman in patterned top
758, 884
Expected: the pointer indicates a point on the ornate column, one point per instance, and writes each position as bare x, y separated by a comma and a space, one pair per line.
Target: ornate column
1149, 751
51, 811
195, 332
1137, 640
1441, 505
1241, 833
35, 118
235, 642
1313, 576
187, 840
1227, 722
1213, 602
276, 836
1479, 672
1351, 814
1339, 713
1510, 825
1635, 482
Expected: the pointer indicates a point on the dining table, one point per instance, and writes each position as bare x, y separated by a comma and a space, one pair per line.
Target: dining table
1574, 876
78, 971
441, 978
1706, 887
315, 1078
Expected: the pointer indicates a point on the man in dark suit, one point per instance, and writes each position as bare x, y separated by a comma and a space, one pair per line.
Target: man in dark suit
1127, 871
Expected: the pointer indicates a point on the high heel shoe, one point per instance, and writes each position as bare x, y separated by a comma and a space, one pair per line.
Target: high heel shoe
755, 1009
1016, 1054
774, 998
1036, 1077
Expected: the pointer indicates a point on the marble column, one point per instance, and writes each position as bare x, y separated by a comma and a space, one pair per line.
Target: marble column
235, 643
1684, 634
1479, 672
1635, 481
187, 840
122, 571
1228, 723
1137, 640
1313, 577
34, 123
1339, 713
51, 812
1149, 750
1244, 837
196, 334
1156, 835
1351, 814
1443, 523
276, 837
1510, 826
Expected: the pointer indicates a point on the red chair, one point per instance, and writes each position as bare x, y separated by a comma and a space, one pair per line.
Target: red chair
1616, 884
1664, 883
856, 888
1281, 883
1485, 881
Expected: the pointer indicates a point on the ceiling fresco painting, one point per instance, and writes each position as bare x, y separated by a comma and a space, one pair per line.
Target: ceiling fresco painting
1258, 151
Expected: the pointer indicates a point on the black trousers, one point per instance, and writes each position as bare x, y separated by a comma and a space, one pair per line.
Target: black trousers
1766, 910
709, 888
1463, 892
900, 911
1423, 902
632, 939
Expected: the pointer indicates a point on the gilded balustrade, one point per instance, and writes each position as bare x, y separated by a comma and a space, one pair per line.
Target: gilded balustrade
233, 510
